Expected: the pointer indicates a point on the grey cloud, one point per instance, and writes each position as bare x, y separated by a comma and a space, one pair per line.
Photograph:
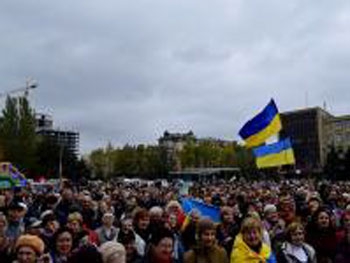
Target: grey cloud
124, 71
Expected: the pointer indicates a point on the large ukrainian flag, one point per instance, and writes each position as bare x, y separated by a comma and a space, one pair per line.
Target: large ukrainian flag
264, 125
276, 154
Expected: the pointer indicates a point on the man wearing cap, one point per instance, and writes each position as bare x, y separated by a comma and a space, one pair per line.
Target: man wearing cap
16, 212
107, 232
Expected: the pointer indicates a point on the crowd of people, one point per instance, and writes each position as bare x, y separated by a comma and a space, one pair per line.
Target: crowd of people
301, 221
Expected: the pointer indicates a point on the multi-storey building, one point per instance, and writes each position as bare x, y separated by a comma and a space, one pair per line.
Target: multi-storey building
313, 131
66, 139
174, 143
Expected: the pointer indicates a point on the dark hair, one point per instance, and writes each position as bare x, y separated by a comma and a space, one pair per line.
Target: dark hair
59, 232
126, 238
314, 219
158, 235
86, 254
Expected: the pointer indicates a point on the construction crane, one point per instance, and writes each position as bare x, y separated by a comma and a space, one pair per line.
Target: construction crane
30, 84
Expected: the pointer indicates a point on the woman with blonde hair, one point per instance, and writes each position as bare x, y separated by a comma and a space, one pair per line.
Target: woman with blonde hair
249, 245
294, 249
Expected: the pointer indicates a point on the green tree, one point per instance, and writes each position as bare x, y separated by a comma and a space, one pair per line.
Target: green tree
17, 132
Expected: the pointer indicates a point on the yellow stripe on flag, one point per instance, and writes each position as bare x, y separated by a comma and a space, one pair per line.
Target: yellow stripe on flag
278, 159
259, 138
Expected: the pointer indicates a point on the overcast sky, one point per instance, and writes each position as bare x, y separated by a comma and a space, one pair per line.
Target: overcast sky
125, 71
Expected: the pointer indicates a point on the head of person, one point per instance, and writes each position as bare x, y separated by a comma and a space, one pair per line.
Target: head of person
252, 231
126, 225
195, 216
108, 220
313, 204
63, 241
49, 221
287, 208
34, 228
172, 221
156, 214
207, 199
86, 201
113, 252
129, 243
86, 253
227, 215
174, 207
295, 234
270, 213
161, 245
323, 219
142, 219
29, 248
75, 222
67, 194
16, 211
207, 232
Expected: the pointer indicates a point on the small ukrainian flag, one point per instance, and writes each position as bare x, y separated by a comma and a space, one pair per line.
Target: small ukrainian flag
276, 154
264, 125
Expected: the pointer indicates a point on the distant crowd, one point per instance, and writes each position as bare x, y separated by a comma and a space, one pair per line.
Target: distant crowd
300, 221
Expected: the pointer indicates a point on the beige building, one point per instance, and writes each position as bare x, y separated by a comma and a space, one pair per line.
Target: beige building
339, 129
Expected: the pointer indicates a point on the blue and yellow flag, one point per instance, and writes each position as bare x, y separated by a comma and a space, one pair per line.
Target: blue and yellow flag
276, 154
205, 210
264, 125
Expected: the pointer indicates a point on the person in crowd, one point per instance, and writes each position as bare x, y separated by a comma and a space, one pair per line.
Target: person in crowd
248, 245
343, 239
287, 209
62, 245
173, 225
227, 230
174, 207
49, 226
126, 230
74, 223
107, 232
207, 250
88, 214
141, 224
161, 247
15, 226
294, 249
274, 226
113, 252
65, 205
321, 235
189, 230
4, 240
314, 204
29, 249
129, 242
156, 218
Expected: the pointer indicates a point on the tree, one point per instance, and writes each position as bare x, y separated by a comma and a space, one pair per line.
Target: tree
17, 133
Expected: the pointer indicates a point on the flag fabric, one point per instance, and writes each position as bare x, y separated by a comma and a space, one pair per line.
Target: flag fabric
205, 210
276, 154
264, 125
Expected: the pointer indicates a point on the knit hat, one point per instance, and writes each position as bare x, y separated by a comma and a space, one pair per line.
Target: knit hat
113, 252
30, 241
